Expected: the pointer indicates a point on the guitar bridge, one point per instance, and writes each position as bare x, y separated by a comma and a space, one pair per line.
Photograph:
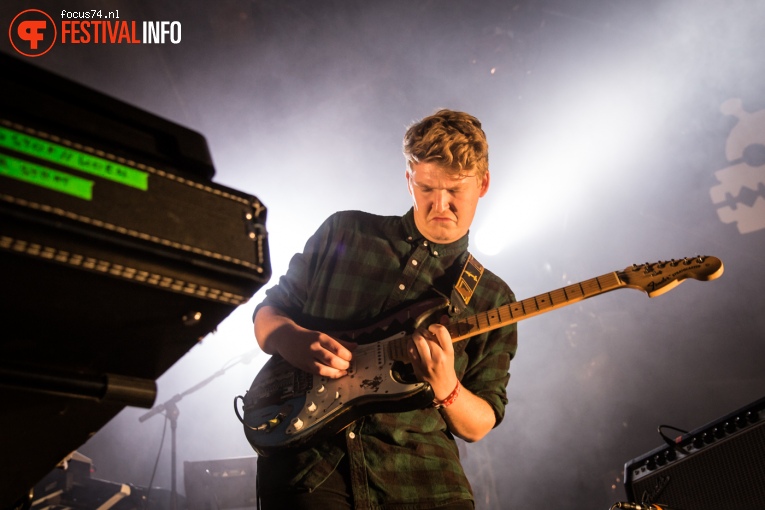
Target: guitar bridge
303, 383
278, 385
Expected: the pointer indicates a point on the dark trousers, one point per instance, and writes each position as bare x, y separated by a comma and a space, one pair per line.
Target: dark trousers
334, 494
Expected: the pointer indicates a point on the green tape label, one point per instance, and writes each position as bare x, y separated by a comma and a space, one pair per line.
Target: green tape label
73, 158
46, 177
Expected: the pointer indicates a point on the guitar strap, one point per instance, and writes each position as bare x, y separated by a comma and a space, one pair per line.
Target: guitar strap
465, 285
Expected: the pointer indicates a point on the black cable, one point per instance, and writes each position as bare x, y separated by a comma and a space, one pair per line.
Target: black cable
669, 427
674, 443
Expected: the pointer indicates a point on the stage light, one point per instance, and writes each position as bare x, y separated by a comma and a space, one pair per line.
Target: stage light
569, 155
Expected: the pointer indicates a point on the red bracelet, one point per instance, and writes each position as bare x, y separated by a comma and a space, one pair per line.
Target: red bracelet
439, 404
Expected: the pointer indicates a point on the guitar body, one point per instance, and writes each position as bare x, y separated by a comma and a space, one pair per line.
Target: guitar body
286, 408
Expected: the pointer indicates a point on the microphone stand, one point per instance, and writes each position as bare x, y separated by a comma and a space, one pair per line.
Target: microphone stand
171, 411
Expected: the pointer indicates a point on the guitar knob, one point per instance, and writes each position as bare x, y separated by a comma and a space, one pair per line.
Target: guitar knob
311, 407
337, 395
321, 389
297, 423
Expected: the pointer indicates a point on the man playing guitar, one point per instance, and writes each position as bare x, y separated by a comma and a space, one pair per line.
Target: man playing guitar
359, 266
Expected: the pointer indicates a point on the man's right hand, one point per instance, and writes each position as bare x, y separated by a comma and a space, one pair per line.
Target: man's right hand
311, 351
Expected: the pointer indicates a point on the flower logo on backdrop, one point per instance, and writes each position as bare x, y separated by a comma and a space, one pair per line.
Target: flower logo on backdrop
742, 183
34, 32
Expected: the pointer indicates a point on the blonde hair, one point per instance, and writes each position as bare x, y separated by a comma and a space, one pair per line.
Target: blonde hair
453, 140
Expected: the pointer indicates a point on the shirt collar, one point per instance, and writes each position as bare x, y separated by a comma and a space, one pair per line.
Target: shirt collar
414, 236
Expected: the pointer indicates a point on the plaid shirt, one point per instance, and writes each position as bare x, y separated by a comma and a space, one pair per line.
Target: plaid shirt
356, 267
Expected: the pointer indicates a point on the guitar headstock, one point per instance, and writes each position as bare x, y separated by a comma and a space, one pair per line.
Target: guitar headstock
660, 277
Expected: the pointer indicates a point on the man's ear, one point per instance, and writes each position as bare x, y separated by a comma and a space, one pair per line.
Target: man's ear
485, 181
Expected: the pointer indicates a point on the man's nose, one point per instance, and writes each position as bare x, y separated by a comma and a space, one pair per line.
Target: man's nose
441, 200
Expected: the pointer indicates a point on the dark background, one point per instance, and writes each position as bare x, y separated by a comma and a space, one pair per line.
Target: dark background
606, 131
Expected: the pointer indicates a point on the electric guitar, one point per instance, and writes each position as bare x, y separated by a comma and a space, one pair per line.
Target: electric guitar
286, 408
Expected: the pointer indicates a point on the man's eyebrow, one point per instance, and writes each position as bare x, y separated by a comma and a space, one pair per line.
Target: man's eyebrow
452, 187
459, 183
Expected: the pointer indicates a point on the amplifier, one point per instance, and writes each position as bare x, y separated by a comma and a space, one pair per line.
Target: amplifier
221, 484
720, 466
118, 254
118, 251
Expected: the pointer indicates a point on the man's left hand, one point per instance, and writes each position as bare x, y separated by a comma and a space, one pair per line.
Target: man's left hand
432, 355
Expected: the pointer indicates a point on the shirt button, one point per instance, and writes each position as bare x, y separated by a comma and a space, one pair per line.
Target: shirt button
424, 243
352, 435
435, 253
414, 262
401, 286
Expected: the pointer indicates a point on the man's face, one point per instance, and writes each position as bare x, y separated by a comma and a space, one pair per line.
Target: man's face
444, 205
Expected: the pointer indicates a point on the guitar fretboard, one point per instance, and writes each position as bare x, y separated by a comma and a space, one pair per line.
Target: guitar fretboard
514, 312
511, 313
654, 279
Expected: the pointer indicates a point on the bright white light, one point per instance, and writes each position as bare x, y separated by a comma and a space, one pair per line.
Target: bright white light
587, 135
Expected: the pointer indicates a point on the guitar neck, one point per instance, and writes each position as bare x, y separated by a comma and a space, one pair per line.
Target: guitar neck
652, 278
511, 313
514, 312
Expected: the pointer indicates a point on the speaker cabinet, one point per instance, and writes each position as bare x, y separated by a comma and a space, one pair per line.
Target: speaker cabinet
221, 484
720, 466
